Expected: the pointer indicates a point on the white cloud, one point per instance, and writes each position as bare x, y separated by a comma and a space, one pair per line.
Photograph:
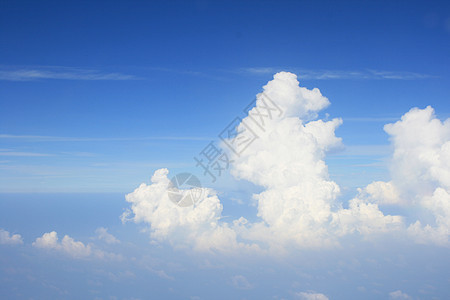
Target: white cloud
104, 235
399, 295
197, 226
383, 193
7, 239
364, 218
68, 246
311, 296
44, 138
298, 205
420, 169
298, 197
66, 73
340, 74
240, 282
421, 157
24, 154
439, 205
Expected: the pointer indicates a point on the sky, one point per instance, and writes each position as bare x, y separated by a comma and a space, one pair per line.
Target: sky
328, 124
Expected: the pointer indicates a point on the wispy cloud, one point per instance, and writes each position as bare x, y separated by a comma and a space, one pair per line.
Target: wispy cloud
338, 74
42, 138
26, 154
177, 71
370, 119
362, 150
57, 72
32, 73
79, 154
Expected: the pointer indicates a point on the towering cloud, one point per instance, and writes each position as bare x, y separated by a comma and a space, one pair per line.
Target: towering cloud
282, 149
299, 203
421, 171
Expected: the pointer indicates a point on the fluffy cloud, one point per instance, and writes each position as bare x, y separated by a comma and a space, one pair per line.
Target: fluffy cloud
196, 225
7, 239
384, 193
420, 169
299, 203
298, 206
69, 246
311, 296
399, 295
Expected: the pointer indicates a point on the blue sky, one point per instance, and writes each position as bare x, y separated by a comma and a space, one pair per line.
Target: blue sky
181, 69
95, 97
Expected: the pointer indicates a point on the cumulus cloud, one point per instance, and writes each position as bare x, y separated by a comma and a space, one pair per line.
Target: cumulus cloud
298, 205
10, 239
420, 169
70, 247
384, 193
196, 225
439, 205
311, 296
104, 235
299, 202
421, 159
287, 159
399, 295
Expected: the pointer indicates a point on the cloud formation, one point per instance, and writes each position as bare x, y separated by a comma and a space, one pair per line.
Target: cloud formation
104, 235
311, 296
399, 295
198, 226
341, 74
42, 138
66, 73
420, 171
299, 205
70, 247
10, 239
24, 154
